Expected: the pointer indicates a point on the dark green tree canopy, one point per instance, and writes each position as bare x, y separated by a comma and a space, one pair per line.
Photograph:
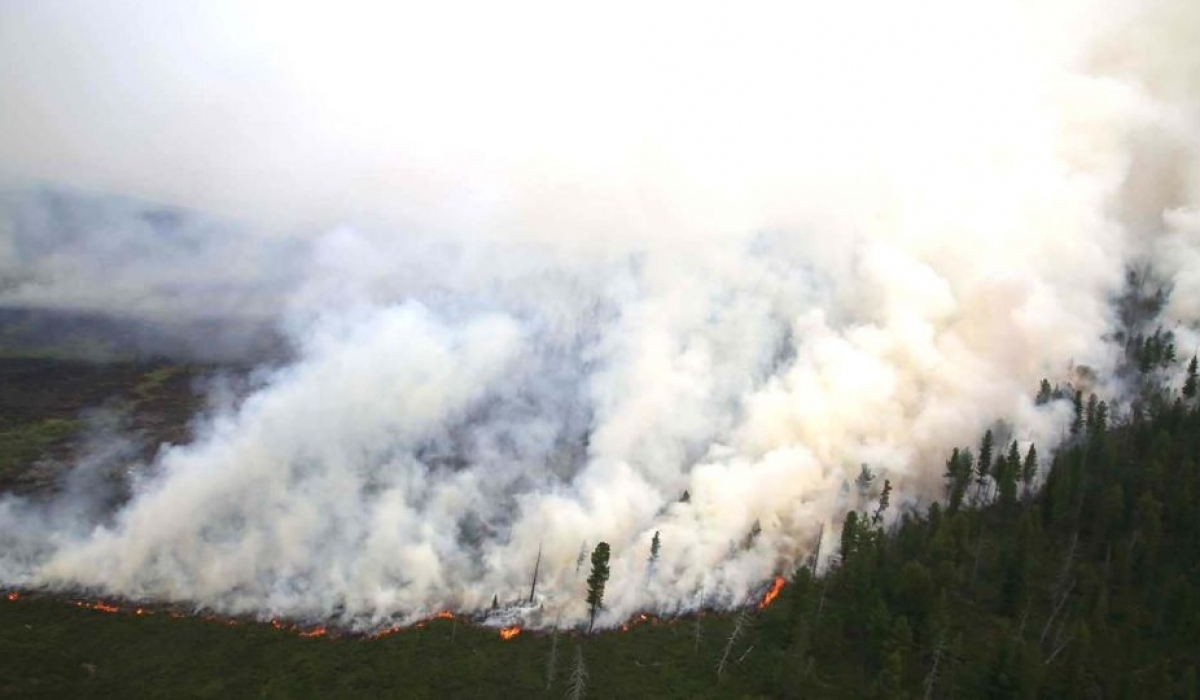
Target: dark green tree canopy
597, 580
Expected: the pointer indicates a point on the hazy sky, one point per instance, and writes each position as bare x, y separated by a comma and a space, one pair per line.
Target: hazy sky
529, 115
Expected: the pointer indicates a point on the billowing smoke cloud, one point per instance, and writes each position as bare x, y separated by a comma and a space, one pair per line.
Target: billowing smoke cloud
550, 270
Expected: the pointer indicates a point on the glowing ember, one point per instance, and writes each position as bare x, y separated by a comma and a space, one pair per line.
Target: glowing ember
773, 593
509, 632
102, 607
13, 596
314, 632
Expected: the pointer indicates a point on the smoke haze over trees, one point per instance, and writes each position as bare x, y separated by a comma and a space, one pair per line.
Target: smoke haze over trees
528, 275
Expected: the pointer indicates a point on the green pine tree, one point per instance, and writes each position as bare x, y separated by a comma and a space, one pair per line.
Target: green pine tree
596, 582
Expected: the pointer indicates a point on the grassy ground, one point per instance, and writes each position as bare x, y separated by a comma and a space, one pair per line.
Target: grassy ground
52, 649
45, 403
22, 444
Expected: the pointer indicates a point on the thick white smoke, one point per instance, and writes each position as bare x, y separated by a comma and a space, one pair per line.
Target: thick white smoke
596, 260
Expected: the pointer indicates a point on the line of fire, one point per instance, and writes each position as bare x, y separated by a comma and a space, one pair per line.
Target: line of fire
506, 632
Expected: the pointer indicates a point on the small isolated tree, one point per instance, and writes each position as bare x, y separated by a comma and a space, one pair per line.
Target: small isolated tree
984, 463
654, 547
1007, 476
1190, 383
958, 477
596, 582
851, 536
1045, 393
884, 497
755, 531
1029, 469
582, 556
863, 482
1100, 425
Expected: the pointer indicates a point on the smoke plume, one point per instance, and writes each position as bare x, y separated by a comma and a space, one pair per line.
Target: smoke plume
543, 271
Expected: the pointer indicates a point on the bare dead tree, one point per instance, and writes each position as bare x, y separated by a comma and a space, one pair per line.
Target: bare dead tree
1020, 633
745, 654
1058, 606
975, 565
1062, 588
932, 677
552, 660
577, 688
816, 557
536, 565
820, 604
1061, 640
582, 556
738, 625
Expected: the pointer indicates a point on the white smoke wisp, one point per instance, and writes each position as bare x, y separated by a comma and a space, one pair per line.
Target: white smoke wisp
641, 254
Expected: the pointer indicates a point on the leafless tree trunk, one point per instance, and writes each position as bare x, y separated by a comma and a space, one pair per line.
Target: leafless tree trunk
582, 556
820, 604
931, 678
536, 565
577, 689
816, 558
975, 565
738, 625
1062, 588
552, 660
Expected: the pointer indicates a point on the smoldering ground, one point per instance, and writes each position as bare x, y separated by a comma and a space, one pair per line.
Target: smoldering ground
543, 271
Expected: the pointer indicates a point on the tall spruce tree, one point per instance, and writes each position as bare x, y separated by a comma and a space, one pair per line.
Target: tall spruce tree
984, 463
1029, 469
596, 582
1190, 383
1007, 476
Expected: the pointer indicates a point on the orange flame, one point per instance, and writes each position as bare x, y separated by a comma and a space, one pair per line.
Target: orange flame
444, 615
509, 632
13, 596
102, 607
773, 593
314, 632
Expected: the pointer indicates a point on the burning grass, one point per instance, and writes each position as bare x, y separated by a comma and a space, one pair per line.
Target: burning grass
140, 650
507, 633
